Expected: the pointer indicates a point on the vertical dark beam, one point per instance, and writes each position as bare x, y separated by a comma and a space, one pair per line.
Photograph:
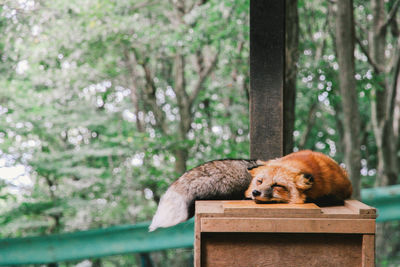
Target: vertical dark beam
267, 53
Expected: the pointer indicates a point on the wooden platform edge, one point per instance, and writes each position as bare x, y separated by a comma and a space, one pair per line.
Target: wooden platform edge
352, 209
359, 207
287, 225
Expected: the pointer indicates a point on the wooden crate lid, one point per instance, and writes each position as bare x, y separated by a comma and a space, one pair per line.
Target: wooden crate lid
248, 208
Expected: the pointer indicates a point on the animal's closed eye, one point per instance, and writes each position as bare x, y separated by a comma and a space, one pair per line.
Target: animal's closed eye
259, 181
278, 185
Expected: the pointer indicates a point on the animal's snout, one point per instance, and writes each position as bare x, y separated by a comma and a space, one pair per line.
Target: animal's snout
268, 192
256, 193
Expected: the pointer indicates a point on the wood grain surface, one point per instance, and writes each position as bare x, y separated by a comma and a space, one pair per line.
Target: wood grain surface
286, 250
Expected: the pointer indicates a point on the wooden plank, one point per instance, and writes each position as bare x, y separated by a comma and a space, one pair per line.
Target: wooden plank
252, 205
281, 250
338, 210
209, 206
197, 241
288, 225
250, 208
368, 251
298, 216
267, 50
359, 207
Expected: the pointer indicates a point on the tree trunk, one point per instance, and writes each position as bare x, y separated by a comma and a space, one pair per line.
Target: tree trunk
351, 117
131, 63
181, 152
291, 58
310, 123
146, 260
181, 156
382, 103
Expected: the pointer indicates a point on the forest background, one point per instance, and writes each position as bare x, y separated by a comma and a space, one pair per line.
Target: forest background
104, 103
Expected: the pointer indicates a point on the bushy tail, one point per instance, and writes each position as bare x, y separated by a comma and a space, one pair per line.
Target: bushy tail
172, 209
219, 179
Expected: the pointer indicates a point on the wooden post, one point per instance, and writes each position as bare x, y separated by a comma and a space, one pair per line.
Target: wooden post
267, 54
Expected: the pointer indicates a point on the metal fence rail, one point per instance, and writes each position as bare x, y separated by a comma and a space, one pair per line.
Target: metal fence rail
385, 199
136, 238
94, 243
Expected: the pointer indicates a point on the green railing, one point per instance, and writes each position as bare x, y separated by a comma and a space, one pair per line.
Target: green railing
136, 238
94, 243
385, 199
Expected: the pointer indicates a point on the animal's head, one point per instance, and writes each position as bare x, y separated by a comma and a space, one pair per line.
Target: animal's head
278, 182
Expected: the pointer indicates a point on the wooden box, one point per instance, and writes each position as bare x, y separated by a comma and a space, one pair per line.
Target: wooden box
242, 233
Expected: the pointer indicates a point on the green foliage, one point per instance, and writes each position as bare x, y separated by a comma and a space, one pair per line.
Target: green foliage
68, 116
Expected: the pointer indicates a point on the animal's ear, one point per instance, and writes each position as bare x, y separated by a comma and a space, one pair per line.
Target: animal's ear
305, 181
261, 163
253, 170
309, 177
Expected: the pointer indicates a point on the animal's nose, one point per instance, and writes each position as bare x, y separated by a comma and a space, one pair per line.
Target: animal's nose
256, 193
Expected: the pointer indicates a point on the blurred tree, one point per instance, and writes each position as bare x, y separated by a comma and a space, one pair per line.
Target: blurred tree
385, 120
348, 91
382, 50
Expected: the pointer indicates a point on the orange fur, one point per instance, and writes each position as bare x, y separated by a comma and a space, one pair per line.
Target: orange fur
299, 177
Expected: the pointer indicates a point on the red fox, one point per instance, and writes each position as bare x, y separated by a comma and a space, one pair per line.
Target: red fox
299, 177
296, 178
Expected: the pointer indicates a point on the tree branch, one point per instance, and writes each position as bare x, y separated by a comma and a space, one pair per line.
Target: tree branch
320, 49
203, 72
150, 90
391, 14
181, 95
308, 22
142, 5
310, 123
376, 67
150, 95
393, 63
395, 101
130, 63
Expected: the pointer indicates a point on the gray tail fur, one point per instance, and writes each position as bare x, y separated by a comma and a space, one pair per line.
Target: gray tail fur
172, 209
218, 179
